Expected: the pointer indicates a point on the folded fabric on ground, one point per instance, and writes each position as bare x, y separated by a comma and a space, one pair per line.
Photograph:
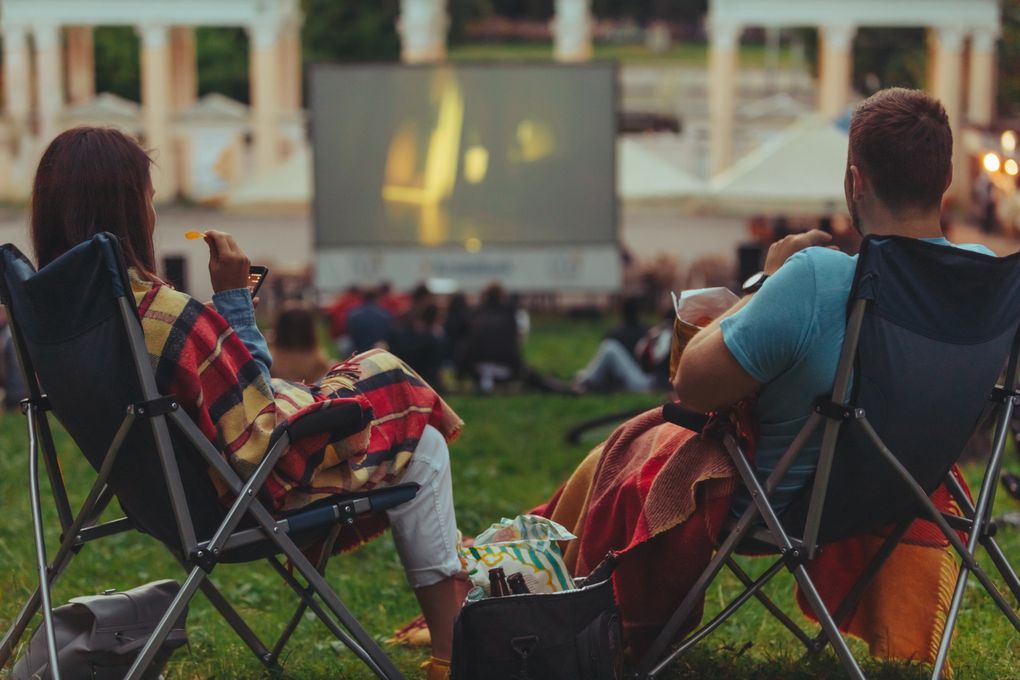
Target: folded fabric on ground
658, 495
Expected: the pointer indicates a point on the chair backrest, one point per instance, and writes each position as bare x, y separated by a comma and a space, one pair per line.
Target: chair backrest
937, 328
71, 322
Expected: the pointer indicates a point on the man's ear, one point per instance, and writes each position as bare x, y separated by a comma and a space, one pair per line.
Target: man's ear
949, 179
858, 183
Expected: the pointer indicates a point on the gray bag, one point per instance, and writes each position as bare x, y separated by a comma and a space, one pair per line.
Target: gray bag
99, 636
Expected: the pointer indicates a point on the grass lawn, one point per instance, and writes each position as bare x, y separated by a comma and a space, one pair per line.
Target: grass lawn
680, 54
511, 457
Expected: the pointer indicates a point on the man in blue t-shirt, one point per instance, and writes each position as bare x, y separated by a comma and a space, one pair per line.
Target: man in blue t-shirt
782, 340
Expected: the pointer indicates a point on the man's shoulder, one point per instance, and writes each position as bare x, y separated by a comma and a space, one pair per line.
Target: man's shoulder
810, 265
828, 258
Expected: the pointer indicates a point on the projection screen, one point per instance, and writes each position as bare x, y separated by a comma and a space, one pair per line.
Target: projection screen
471, 172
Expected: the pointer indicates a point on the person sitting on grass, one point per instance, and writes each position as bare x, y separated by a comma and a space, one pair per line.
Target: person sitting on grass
297, 354
492, 350
217, 365
658, 495
631, 358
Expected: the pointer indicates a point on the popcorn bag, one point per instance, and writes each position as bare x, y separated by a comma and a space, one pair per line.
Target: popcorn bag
695, 309
526, 545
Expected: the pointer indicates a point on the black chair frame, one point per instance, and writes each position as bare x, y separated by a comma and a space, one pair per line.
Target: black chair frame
272, 534
835, 413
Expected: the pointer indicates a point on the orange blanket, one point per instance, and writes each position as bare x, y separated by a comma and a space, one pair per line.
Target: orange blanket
657, 494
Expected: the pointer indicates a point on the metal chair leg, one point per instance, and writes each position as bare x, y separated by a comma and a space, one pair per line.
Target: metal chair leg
60, 562
828, 625
861, 586
1002, 565
40, 545
235, 621
18, 628
771, 606
307, 595
295, 620
165, 625
753, 589
651, 665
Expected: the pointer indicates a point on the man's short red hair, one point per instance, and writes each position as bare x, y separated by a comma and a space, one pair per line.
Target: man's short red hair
902, 141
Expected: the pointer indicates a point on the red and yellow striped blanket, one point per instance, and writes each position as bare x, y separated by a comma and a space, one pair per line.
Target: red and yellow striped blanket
198, 358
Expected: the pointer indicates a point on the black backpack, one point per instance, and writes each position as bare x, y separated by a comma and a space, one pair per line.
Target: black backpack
570, 635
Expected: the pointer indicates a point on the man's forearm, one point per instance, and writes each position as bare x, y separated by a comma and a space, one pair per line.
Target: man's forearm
708, 376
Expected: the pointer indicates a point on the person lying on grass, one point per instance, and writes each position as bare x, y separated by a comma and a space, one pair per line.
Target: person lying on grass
216, 363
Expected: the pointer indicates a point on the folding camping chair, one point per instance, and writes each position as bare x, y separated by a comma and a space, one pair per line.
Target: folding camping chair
929, 331
76, 329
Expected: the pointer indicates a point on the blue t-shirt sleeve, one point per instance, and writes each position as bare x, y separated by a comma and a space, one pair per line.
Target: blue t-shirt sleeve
236, 307
771, 332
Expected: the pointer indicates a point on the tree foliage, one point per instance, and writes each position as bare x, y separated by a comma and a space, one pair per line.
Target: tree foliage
118, 69
1009, 60
641, 11
350, 30
883, 57
223, 61
890, 57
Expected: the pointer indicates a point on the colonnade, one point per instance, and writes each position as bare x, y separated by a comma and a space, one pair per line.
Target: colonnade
49, 66
947, 46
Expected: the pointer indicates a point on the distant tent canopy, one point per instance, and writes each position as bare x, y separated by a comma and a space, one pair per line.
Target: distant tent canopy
649, 170
286, 188
799, 172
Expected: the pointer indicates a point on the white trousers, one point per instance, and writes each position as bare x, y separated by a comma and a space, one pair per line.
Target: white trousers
425, 528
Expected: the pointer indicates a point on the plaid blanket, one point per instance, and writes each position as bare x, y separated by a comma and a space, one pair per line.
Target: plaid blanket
198, 358
658, 495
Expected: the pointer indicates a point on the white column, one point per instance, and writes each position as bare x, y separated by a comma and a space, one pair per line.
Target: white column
292, 71
422, 27
948, 74
724, 43
184, 68
572, 29
156, 99
17, 89
8, 168
49, 79
265, 94
836, 68
80, 64
981, 95
15, 157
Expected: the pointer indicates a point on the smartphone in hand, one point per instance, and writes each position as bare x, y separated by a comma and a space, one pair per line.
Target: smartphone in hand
256, 277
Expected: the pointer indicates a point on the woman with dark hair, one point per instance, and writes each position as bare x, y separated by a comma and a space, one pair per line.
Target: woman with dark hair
217, 365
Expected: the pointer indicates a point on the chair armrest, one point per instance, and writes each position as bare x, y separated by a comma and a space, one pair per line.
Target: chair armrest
390, 497
347, 508
343, 420
674, 412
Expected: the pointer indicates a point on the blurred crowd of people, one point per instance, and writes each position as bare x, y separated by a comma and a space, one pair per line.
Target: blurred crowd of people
440, 337
454, 342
